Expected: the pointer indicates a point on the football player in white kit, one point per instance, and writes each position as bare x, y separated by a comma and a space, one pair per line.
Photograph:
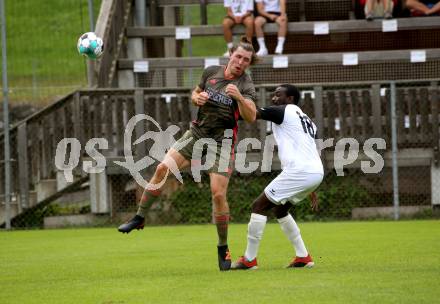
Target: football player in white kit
301, 174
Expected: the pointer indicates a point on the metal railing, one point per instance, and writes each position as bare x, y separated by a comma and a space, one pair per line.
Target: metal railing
111, 26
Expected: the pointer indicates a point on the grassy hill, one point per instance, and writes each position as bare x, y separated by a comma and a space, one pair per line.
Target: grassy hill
41, 47
43, 62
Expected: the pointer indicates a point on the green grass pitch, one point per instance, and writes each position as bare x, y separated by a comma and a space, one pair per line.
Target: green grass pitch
355, 262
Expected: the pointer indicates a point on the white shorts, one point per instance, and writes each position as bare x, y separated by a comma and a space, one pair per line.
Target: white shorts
292, 186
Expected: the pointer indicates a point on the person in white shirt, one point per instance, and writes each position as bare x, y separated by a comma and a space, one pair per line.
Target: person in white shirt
238, 12
302, 172
271, 11
379, 9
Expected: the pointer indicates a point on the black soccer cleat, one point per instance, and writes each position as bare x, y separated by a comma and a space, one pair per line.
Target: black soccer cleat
137, 222
224, 258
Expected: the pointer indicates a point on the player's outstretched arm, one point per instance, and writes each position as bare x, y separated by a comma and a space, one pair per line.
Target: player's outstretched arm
246, 106
272, 113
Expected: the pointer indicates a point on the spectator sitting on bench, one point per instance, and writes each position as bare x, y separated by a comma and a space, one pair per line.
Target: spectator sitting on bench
378, 9
238, 12
271, 11
423, 7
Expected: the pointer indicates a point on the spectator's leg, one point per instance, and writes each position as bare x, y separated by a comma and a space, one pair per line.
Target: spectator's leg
248, 23
228, 24
418, 6
282, 32
388, 7
259, 23
369, 6
434, 10
386, 4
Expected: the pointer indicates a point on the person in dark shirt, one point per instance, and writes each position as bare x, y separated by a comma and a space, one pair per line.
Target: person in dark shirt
224, 94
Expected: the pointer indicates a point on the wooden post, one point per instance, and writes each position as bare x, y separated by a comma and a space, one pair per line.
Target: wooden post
331, 108
366, 103
108, 125
412, 113
140, 127
376, 109
342, 105
54, 137
302, 10
169, 17
262, 123
319, 116
23, 165
435, 122
354, 101
424, 115
77, 118
203, 13
97, 115
400, 114
187, 111
118, 122
45, 148
154, 14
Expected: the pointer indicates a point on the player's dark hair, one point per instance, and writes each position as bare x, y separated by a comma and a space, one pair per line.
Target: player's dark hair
246, 45
291, 90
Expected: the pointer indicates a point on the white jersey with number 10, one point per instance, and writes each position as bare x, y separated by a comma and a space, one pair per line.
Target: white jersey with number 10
295, 137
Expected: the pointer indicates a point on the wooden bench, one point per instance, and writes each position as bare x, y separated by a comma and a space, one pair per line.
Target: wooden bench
348, 35
346, 26
297, 10
303, 68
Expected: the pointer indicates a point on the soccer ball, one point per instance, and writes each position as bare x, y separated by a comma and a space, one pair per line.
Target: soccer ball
90, 45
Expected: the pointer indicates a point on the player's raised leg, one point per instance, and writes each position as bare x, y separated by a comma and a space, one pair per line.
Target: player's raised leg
152, 191
219, 187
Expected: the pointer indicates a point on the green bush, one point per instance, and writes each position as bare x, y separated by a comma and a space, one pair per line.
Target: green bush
193, 200
337, 197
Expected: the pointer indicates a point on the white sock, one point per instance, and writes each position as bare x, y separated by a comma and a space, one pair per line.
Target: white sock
230, 45
255, 233
291, 230
281, 41
280, 45
261, 43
